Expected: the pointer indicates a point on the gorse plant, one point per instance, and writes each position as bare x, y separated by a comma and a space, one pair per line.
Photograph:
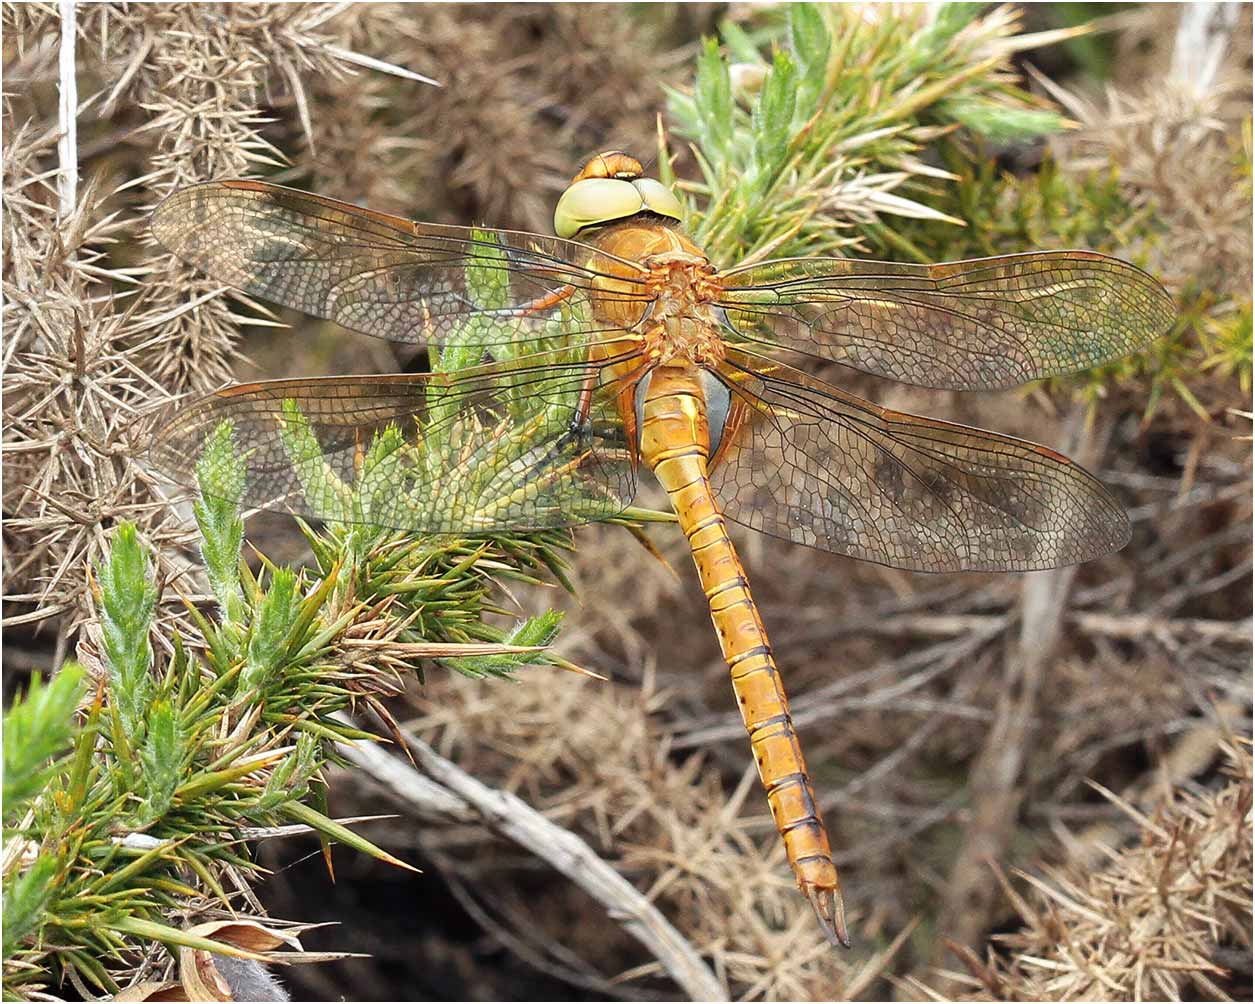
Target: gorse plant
175, 755
873, 132
140, 818
807, 153
1208, 346
37, 729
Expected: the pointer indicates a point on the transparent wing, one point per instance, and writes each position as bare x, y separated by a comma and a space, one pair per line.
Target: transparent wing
967, 325
811, 464
497, 448
391, 277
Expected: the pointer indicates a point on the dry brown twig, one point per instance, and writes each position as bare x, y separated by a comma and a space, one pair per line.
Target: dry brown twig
96, 335
436, 787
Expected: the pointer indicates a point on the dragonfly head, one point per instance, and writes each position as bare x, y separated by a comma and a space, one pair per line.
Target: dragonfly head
609, 188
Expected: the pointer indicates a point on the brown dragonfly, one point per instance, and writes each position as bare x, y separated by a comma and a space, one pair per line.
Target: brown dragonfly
570, 362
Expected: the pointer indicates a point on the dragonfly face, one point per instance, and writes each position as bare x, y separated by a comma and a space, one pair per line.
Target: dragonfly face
609, 188
582, 360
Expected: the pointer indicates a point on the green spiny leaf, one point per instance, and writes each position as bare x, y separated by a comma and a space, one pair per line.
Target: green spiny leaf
220, 474
152, 931
128, 598
338, 831
38, 727
26, 898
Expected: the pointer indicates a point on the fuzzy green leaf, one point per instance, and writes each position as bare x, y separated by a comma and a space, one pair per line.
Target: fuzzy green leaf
324, 491
811, 43
272, 624
161, 761
949, 19
773, 121
220, 475
738, 43
289, 781
128, 599
26, 898
537, 632
487, 275
1000, 124
38, 727
714, 97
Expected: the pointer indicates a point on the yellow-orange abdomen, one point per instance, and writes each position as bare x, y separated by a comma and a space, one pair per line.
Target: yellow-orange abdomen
675, 443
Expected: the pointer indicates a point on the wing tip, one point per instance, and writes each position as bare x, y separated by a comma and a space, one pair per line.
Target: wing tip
166, 217
166, 214
1167, 313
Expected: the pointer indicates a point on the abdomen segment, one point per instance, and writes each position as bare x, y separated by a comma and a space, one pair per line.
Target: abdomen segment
674, 443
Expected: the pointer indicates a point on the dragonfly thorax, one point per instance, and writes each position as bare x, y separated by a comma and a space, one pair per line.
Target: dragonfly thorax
681, 326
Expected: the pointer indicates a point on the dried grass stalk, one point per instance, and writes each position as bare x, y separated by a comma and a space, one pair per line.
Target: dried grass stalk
1157, 921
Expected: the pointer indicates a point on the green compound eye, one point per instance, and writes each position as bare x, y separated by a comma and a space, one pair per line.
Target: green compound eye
594, 201
658, 198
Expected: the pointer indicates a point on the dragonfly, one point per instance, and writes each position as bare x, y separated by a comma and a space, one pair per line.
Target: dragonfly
575, 361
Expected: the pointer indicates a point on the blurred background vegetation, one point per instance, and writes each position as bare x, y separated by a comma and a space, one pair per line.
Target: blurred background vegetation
1039, 786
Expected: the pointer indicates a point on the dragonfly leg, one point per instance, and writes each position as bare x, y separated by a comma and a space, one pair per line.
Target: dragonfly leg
547, 302
584, 403
528, 309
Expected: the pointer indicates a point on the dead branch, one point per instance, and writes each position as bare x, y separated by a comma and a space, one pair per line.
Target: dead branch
439, 788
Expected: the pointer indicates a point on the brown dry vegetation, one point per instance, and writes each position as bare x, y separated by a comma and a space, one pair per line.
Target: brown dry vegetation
954, 724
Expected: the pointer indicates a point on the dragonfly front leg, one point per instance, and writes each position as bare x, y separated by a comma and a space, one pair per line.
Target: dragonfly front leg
529, 309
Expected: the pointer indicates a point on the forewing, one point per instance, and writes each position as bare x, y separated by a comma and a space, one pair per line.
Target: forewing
813, 465
967, 325
391, 277
496, 449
